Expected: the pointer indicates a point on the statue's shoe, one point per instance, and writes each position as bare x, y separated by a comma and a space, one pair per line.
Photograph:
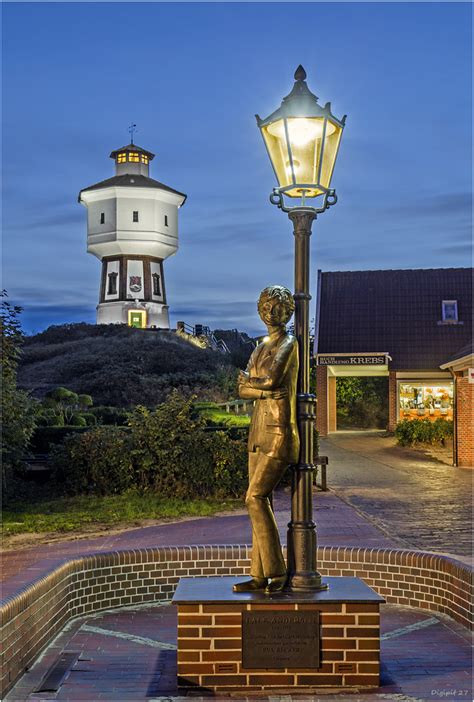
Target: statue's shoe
276, 585
250, 585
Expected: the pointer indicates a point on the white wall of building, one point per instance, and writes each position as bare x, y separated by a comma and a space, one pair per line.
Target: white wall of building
150, 236
117, 313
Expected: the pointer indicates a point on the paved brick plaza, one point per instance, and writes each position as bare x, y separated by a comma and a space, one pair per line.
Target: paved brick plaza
130, 655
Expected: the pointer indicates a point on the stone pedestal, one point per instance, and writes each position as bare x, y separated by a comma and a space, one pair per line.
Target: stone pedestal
290, 641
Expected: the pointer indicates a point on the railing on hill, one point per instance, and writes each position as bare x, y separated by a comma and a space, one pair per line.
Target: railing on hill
201, 336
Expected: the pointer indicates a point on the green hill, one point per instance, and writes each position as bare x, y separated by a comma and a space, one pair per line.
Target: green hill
121, 366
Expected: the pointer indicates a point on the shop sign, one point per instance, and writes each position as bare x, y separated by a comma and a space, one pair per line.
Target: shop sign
352, 360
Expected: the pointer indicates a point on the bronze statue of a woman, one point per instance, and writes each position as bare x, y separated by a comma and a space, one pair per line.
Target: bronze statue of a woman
270, 379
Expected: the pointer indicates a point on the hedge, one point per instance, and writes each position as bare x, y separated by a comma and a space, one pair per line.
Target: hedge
410, 432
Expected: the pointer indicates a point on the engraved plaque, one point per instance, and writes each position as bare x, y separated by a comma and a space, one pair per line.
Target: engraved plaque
279, 640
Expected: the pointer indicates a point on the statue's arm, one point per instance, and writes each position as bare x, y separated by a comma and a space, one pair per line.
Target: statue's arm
273, 380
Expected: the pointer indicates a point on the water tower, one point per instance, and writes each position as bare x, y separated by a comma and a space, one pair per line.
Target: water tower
132, 227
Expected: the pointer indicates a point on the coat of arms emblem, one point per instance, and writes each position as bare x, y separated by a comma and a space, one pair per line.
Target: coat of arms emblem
135, 283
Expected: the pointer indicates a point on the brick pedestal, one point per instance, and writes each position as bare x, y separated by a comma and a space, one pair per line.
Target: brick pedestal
210, 636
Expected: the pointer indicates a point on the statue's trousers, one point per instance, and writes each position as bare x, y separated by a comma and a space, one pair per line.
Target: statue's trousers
264, 475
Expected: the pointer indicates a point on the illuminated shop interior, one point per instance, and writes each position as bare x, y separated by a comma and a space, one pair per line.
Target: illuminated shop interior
430, 400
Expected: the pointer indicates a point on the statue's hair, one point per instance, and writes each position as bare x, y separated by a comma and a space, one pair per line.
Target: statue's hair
282, 294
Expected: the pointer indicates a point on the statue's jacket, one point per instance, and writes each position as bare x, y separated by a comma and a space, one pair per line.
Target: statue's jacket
273, 366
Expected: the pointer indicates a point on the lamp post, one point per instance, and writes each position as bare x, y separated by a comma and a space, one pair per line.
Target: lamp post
302, 139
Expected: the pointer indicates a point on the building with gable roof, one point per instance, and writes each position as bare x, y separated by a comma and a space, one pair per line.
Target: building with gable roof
407, 325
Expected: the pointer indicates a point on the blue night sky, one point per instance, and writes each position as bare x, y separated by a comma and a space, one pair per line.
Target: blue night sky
192, 76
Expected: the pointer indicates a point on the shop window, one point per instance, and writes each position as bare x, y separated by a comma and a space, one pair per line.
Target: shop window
112, 286
121, 158
135, 216
102, 217
133, 157
156, 285
430, 400
449, 311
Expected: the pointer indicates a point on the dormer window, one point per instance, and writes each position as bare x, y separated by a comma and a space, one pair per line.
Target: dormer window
122, 158
133, 157
450, 311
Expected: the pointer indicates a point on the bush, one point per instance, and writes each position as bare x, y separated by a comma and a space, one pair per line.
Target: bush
362, 402
167, 451
410, 432
110, 415
78, 421
46, 437
97, 461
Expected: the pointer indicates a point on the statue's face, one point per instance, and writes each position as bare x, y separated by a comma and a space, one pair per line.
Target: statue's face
273, 312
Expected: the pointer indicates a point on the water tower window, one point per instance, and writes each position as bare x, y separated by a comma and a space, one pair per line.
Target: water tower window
133, 157
112, 286
156, 284
166, 220
102, 217
144, 159
135, 216
121, 158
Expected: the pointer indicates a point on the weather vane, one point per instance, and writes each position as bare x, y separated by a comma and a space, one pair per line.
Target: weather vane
132, 128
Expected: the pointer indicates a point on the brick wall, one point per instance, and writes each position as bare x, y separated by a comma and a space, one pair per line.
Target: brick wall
33, 616
465, 421
210, 648
322, 403
392, 401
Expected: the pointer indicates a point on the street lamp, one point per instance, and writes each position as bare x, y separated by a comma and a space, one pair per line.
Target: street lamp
302, 140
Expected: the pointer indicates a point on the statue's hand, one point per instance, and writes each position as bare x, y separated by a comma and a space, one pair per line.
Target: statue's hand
243, 377
278, 394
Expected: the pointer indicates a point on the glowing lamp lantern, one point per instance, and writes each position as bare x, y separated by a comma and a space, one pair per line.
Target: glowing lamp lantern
302, 140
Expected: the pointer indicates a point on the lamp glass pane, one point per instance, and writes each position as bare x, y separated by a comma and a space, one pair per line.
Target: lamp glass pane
331, 147
275, 140
305, 138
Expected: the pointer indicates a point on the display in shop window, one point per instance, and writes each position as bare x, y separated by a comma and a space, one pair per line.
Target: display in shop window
425, 400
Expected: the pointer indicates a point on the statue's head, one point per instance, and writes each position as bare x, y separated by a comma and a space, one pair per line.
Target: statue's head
275, 305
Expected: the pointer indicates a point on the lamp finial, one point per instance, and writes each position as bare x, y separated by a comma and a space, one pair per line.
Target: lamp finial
300, 73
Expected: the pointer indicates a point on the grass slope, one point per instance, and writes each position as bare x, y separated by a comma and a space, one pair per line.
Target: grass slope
121, 366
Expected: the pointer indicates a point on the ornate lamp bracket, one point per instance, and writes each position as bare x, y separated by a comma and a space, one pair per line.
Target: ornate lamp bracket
329, 199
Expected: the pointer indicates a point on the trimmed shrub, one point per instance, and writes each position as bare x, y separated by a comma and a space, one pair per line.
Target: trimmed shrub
167, 451
410, 432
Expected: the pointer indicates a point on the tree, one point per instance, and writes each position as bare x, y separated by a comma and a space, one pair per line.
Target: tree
66, 406
18, 410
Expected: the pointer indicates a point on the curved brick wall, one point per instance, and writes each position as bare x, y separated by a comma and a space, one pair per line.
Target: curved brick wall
35, 614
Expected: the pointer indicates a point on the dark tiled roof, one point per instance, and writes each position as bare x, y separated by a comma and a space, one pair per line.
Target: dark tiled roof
132, 147
131, 180
397, 311
466, 350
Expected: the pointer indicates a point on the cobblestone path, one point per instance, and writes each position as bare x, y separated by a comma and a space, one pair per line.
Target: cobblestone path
417, 500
